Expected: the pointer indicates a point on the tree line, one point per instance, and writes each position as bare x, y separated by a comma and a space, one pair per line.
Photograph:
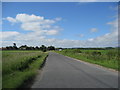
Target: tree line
45, 48
25, 47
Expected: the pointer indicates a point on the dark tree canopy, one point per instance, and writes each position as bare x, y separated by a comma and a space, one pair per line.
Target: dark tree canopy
43, 48
51, 48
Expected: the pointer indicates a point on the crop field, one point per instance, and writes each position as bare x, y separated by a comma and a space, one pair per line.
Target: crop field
107, 58
20, 66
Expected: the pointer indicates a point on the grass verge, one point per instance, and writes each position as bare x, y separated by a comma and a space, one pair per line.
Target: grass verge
106, 58
20, 66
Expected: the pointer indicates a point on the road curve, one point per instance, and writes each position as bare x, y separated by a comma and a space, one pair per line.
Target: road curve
63, 72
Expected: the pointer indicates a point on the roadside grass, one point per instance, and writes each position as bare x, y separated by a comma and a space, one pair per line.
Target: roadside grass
20, 66
106, 58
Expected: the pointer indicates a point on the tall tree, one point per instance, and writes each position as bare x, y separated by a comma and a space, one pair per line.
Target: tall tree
51, 48
43, 48
23, 47
15, 46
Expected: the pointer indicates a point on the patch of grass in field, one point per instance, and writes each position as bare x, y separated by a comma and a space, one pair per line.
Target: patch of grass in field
106, 58
20, 66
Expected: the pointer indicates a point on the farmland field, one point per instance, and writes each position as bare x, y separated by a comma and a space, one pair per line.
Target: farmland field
20, 66
107, 58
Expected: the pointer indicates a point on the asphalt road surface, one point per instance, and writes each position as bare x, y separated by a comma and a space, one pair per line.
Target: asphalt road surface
64, 72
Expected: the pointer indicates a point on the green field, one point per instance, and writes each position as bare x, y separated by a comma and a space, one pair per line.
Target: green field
19, 67
107, 58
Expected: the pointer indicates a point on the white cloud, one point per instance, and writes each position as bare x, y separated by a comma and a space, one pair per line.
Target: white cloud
33, 36
90, 39
42, 27
93, 30
10, 19
36, 23
31, 26
38, 26
33, 39
109, 39
28, 18
52, 32
7, 34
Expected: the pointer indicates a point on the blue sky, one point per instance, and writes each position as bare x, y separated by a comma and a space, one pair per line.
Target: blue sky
77, 22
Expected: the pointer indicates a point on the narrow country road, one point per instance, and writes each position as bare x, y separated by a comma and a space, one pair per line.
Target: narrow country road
63, 72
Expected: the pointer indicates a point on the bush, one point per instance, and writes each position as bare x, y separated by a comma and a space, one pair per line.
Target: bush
111, 54
95, 53
77, 51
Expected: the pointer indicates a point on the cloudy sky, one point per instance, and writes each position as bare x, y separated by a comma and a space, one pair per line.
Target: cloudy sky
62, 24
